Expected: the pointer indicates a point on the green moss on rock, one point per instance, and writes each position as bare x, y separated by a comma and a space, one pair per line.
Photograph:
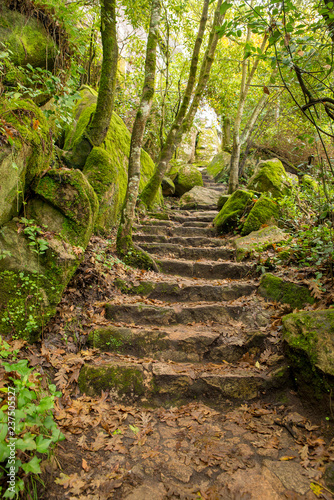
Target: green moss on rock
117, 149
265, 211
102, 175
276, 289
31, 154
271, 178
187, 178
123, 378
69, 192
27, 39
257, 241
310, 339
219, 166
222, 200
237, 205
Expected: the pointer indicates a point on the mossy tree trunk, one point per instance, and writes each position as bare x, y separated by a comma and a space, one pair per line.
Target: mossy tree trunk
125, 246
151, 189
245, 84
97, 129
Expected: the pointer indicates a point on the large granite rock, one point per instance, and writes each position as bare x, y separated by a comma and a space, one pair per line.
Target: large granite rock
235, 207
187, 177
219, 167
199, 197
43, 250
270, 177
106, 167
264, 212
258, 241
310, 339
275, 288
30, 154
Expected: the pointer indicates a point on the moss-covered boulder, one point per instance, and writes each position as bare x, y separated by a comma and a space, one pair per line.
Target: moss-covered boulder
200, 197
207, 146
236, 206
187, 177
30, 154
271, 177
219, 167
167, 186
223, 198
276, 289
310, 337
27, 39
42, 252
309, 183
258, 241
102, 175
68, 193
264, 212
113, 162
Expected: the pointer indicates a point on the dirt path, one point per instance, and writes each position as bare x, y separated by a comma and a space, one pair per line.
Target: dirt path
196, 401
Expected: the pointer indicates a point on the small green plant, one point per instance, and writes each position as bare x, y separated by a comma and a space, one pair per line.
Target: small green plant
34, 232
28, 430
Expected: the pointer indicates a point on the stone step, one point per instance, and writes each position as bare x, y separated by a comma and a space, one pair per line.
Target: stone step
196, 241
176, 381
185, 292
175, 231
174, 223
141, 313
185, 344
198, 207
207, 270
190, 218
191, 253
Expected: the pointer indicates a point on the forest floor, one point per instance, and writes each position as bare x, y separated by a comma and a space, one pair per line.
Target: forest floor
159, 446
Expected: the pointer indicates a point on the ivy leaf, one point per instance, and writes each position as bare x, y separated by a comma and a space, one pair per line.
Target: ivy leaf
42, 444
32, 466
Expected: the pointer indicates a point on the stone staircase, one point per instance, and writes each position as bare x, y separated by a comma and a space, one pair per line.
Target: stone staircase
196, 330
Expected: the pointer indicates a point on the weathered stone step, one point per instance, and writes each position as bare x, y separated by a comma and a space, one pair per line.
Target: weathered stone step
176, 381
207, 270
175, 292
196, 241
176, 231
174, 223
141, 313
183, 344
190, 218
198, 207
192, 253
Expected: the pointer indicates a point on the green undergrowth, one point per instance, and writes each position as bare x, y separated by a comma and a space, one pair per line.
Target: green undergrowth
28, 432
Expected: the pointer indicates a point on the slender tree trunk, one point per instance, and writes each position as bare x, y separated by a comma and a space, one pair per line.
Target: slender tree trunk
245, 84
97, 129
124, 236
226, 132
151, 189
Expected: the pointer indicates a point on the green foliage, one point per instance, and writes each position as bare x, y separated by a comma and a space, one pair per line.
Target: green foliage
38, 245
26, 420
